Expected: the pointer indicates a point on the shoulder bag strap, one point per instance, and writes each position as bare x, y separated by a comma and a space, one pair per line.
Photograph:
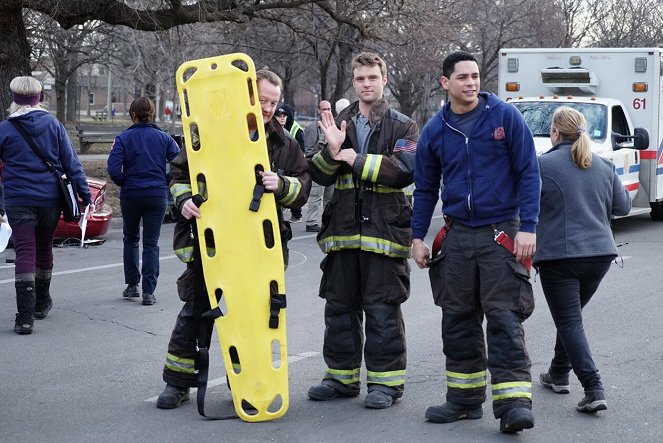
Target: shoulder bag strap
32, 145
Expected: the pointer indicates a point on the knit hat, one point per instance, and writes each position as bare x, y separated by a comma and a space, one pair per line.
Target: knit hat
341, 105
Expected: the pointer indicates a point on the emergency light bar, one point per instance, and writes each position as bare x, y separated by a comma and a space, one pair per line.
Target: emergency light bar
578, 78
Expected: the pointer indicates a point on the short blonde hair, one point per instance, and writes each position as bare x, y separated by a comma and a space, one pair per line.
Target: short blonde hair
368, 59
24, 85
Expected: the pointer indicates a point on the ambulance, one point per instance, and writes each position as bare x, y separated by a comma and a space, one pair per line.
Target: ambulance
618, 90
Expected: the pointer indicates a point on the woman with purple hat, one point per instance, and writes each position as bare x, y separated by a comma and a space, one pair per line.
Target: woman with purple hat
32, 194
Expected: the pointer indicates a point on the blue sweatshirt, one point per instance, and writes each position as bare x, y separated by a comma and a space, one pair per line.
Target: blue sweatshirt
490, 175
137, 161
27, 180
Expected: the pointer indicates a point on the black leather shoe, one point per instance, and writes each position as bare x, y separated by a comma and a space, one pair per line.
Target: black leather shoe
313, 228
593, 401
515, 420
131, 291
23, 326
172, 397
449, 412
558, 385
148, 299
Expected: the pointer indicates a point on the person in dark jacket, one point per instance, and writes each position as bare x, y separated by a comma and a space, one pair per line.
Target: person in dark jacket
285, 115
32, 195
137, 163
580, 193
485, 153
291, 125
369, 157
288, 182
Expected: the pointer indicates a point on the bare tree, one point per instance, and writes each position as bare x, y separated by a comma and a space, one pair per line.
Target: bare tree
63, 52
486, 26
635, 23
413, 48
146, 16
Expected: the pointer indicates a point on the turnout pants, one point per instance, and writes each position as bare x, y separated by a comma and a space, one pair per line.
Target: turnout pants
355, 283
472, 278
179, 369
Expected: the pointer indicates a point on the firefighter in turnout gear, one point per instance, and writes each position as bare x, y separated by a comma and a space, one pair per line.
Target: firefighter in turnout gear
369, 158
485, 152
288, 185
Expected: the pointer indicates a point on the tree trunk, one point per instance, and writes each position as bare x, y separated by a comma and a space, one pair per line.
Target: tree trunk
288, 92
343, 75
14, 52
406, 100
324, 81
72, 97
60, 94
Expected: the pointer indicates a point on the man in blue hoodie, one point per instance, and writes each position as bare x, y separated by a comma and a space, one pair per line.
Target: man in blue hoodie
485, 153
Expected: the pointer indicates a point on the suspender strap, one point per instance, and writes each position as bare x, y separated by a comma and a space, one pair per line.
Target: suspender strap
439, 238
502, 239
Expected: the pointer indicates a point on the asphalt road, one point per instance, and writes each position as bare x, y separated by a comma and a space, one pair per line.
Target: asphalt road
92, 369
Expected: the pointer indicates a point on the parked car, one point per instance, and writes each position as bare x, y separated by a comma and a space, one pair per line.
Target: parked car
99, 221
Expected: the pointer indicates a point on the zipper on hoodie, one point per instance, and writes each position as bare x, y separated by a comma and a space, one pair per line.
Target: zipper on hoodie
468, 200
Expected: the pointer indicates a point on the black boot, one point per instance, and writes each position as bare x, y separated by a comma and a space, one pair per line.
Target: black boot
172, 397
42, 285
25, 303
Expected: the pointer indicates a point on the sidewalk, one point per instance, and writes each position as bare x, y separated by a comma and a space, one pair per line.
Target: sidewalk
92, 157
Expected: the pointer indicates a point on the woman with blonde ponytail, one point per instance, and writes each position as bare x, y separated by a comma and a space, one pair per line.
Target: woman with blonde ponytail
570, 125
580, 192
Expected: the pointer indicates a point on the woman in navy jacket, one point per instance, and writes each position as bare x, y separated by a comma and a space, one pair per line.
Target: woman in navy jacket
137, 163
580, 192
32, 195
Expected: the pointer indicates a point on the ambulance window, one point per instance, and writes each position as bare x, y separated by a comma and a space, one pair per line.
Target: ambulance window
619, 124
596, 116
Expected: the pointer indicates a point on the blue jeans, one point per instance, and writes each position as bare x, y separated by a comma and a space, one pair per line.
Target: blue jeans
568, 286
151, 211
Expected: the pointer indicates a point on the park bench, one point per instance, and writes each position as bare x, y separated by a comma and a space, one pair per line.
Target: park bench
100, 115
89, 133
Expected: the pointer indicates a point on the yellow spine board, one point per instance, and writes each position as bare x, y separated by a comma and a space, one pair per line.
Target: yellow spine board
218, 97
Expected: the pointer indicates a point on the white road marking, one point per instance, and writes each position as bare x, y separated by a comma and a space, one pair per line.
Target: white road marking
90, 268
222, 380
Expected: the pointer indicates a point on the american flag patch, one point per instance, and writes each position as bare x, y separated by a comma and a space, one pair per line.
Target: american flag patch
405, 145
